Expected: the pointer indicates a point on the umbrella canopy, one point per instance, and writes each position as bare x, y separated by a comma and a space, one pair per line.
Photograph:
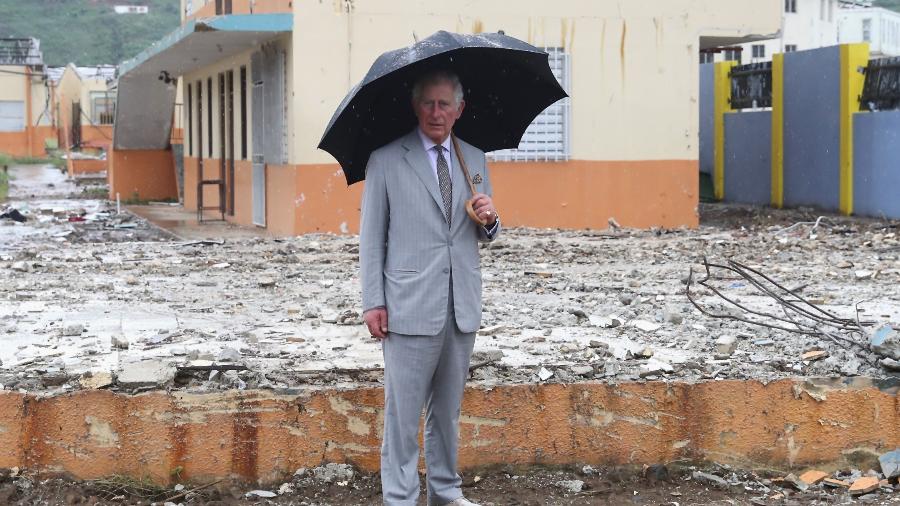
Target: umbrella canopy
506, 84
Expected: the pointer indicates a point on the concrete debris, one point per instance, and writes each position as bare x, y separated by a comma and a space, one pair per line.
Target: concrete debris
885, 341
814, 355
573, 486
709, 479
645, 325
890, 464
559, 305
835, 483
73, 330
864, 485
95, 380
153, 373
262, 494
286, 488
725, 346
229, 355
813, 477
655, 367
119, 343
331, 472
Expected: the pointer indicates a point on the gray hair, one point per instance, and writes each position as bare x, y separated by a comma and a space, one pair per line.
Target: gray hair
435, 77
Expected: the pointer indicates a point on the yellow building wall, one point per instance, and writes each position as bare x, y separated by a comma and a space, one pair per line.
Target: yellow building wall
633, 115
38, 110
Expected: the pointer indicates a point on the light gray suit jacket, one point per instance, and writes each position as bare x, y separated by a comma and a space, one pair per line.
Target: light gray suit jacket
407, 252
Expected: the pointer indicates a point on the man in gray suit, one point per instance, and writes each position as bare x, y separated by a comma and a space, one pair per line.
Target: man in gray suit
421, 287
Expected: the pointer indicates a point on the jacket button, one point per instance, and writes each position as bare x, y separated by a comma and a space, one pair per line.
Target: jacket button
446, 270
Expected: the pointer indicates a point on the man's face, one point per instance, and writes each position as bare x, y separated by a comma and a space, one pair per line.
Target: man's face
437, 111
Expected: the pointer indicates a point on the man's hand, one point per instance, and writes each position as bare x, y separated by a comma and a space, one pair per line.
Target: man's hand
377, 321
484, 208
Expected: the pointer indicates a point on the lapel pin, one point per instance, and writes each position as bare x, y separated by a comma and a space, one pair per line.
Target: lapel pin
476, 179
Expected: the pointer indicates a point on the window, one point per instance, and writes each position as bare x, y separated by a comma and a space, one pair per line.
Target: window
867, 30
790, 6
790, 48
707, 57
733, 55
12, 115
822, 9
759, 51
547, 138
103, 107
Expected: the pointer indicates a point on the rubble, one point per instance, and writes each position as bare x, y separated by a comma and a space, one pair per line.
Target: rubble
559, 306
890, 464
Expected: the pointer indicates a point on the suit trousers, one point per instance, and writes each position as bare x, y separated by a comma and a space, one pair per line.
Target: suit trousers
429, 371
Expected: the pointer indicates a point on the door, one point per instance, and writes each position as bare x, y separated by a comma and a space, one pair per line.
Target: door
257, 106
268, 119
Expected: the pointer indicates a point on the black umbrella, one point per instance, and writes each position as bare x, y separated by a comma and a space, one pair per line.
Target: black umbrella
506, 83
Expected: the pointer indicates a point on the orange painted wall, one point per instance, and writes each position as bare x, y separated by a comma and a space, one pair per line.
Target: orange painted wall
573, 195
585, 194
243, 197
246, 7
87, 166
272, 6
323, 202
97, 136
280, 195
142, 174
16, 143
263, 437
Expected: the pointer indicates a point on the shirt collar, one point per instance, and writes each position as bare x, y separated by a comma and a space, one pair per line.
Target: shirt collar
429, 144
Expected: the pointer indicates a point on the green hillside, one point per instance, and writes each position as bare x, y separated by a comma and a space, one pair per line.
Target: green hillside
88, 32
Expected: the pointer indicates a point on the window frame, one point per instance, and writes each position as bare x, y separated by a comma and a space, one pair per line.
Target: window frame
559, 59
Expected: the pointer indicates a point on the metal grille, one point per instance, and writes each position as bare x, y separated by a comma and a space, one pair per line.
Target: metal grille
547, 138
751, 85
881, 90
21, 51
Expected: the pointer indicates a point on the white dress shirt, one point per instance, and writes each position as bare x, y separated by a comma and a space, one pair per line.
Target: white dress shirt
429, 145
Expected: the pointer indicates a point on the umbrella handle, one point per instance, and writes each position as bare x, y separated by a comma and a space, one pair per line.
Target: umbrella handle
462, 163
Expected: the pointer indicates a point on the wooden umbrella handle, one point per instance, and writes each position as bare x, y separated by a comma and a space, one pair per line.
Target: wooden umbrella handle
462, 163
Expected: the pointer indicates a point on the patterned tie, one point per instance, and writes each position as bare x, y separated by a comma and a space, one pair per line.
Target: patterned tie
443, 171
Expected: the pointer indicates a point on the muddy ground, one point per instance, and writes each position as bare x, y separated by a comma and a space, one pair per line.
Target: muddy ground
531, 486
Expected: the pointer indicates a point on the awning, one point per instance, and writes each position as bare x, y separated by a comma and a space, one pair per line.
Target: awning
146, 98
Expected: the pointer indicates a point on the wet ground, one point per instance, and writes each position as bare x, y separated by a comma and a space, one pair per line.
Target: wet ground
512, 486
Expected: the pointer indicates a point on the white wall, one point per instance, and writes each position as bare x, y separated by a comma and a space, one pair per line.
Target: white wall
884, 36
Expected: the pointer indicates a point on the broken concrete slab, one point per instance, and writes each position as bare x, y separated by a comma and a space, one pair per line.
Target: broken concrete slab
147, 373
890, 464
709, 479
885, 341
813, 477
725, 346
864, 485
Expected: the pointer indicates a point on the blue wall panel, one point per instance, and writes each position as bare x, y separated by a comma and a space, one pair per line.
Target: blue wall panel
812, 128
748, 157
876, 164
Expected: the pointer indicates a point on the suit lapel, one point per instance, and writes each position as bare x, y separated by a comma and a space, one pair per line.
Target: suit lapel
418, 161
